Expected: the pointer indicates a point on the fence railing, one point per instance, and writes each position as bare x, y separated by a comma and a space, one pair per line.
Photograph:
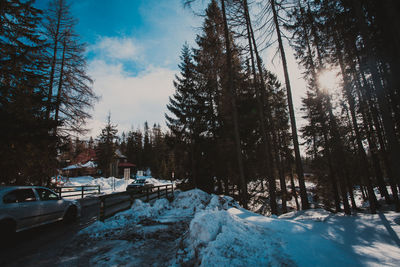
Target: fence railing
75, 191
116, 202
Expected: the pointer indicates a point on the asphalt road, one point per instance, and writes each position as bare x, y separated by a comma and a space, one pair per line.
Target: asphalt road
42, 245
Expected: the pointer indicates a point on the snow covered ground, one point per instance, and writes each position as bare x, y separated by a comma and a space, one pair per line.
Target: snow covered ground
259, 201
110, 184
199, 229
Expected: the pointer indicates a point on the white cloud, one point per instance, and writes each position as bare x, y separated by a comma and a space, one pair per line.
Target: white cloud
133, 72
131, 100
117, 48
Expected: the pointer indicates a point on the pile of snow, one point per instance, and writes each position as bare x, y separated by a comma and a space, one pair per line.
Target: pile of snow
123, 220
183, 207
238, 237
221, 233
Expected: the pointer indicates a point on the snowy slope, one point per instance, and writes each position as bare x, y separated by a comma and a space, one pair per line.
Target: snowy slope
220, 233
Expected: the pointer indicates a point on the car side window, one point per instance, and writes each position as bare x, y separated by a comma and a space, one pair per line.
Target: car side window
45, 194
19, 195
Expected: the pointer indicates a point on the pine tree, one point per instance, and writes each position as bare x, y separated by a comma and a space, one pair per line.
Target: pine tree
210, 72
187, 109
147, 147
134, 148
69, 95
106, 146
232, 98
27, 150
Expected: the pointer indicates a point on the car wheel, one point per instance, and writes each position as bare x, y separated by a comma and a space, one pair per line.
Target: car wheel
71, 215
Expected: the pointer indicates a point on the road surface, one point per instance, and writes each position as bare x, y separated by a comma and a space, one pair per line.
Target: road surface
41, 246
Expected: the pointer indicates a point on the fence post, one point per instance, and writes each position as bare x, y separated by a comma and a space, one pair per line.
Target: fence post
131, 198
172, 190
82, 188
166, 191
59, 191
147, 194
102, 209
158, 191
98, 189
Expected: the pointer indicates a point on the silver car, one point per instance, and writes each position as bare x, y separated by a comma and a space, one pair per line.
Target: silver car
24, 207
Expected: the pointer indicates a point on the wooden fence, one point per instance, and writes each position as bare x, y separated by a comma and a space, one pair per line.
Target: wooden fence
75, 191
113, 203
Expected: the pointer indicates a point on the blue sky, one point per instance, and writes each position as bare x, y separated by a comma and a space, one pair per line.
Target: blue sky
133, 49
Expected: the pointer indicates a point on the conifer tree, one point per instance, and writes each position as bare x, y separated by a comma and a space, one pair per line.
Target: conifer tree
69, 93
27, 150
210, 73
106, 146
186, 106
134, 148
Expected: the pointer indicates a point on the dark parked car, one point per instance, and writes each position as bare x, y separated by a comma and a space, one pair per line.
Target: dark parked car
139, 185
24, 207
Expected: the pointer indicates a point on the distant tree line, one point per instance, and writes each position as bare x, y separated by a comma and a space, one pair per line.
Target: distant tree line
45, 92
147, 148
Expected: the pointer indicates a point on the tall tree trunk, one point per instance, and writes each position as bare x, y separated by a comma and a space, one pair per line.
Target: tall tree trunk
368, 128
339, 154
333, 179
60, 85
270, 166
362, 155
371, 139
282, 180
294, 193
53, 64
299, 165
232, 92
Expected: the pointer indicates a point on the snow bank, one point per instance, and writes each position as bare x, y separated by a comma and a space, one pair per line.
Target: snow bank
184, 206
219, 238
236, 237
192, 200
129, 218
220, 233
